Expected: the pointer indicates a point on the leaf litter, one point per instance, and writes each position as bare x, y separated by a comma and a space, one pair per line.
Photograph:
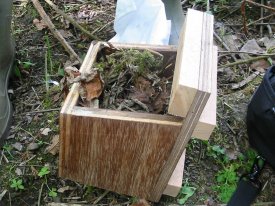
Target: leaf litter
127, 80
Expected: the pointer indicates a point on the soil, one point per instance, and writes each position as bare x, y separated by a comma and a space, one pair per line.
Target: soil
37, 96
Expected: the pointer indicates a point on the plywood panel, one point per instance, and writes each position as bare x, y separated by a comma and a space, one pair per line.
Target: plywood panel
207, 121
175, 182
116, 154
196, 107
186, 74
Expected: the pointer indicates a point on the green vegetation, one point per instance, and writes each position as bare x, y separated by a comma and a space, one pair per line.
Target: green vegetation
226, 182
52, 192
44, 171
185, 193
228, 177
137, 61
216, 6
17, 184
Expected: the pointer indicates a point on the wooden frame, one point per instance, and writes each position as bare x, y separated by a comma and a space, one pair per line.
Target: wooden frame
126, 152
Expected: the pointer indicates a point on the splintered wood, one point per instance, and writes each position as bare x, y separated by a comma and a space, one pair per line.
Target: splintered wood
136, 153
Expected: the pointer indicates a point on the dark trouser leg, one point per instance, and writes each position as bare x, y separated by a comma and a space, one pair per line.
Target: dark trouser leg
174, 13
6, 60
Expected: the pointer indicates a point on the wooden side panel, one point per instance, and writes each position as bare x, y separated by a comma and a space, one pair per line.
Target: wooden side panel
175, 182
187, 69
196, 107
118, 155
207, 121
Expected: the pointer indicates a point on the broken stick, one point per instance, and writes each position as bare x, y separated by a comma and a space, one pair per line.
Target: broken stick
71, 20
243, 61
245, 81
54, 31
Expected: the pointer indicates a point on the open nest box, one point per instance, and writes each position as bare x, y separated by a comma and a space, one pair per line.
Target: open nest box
135, 153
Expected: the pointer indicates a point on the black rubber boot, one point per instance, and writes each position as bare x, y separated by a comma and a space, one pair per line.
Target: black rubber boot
6, 62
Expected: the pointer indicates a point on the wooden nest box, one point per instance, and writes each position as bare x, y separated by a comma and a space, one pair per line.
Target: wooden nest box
136, 153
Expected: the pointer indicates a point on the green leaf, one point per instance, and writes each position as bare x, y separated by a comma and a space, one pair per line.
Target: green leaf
17, 184
27, 65
21, 187
13, 185
53, 192
17, 72
185, 193
220, 178
225, 192
218, 149
43, 171
61, 72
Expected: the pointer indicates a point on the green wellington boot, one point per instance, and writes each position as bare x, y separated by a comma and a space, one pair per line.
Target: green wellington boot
6, 62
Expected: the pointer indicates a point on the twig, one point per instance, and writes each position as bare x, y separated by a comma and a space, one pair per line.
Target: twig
245, 81
71, 20
2, 155
260, 5
208, 6
142, 105
41, 111
262, 21
35, 94
225, 46
5, 158
269, 31
101, 197
184, 2
226, 124
40, 193
257, 24
3, 194
244, 17
243, 61
100, 28
56, 33
244, 52
23, 163
10, 198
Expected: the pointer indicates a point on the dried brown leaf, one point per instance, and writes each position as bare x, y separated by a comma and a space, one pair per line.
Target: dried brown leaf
260, 65
40, 24
161, 100
93, 87
66, 188
45, 131
54, 147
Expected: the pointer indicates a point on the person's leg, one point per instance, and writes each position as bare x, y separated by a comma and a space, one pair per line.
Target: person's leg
174, 13
6, 61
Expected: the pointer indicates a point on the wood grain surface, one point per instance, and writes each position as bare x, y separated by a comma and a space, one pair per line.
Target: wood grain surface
119, 155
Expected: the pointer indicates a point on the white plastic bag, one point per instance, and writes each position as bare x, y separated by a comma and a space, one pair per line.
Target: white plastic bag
141, 22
